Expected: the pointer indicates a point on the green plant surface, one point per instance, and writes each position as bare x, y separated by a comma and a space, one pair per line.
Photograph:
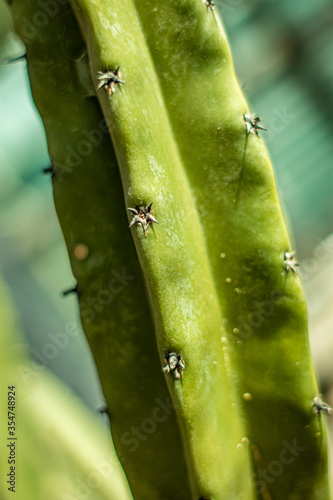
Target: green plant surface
233, 183
212, 269
114, 307
160, 457
175, 263
58, 448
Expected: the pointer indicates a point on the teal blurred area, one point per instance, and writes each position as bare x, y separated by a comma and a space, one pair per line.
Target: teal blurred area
283, 53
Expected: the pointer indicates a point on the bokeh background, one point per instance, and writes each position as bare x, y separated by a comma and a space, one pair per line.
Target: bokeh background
283, 54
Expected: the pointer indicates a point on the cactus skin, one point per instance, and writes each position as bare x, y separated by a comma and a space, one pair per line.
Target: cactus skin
175, 264
91, 210
242, 219
205, 109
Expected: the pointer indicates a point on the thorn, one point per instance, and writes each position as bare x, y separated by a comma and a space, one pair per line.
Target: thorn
74, 289
252, 124
143, 216
290, 263
151, 218
49, 169
104, 409
209, 4
135, 220
173, 363
109, 80
319, 406
14, 59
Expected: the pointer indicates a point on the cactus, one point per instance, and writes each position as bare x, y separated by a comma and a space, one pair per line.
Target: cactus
211, 275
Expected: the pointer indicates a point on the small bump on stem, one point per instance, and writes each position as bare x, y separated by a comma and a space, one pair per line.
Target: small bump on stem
80, 251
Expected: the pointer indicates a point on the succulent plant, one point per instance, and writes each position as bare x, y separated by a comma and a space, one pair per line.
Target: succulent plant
141, 107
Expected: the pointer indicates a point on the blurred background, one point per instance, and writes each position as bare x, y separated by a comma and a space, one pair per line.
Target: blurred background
283, 54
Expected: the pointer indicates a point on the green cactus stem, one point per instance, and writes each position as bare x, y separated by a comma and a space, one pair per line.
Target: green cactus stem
114, 307
233, 182
174, 261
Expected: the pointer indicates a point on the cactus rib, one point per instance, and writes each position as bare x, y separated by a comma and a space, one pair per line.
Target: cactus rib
233, 182
175, 264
